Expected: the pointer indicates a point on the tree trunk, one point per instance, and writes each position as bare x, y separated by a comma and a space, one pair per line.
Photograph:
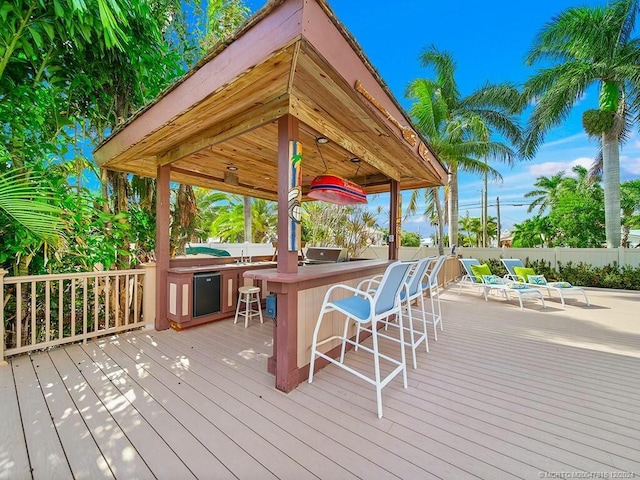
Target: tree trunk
611, 185
485, 210
440, 213
248, 236
625, 236
453, 206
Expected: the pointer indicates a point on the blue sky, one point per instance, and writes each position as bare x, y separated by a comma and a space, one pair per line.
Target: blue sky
489, 41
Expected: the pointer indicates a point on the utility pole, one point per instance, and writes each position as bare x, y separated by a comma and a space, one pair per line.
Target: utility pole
485, 211
498, 207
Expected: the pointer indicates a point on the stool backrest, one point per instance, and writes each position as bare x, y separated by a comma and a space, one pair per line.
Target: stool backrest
387, 296
433, 272
414, 282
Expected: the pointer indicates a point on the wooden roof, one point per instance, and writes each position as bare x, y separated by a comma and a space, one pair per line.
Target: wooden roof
292, 57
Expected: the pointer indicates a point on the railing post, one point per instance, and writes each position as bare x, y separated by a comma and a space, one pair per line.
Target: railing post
3, 362
149, 295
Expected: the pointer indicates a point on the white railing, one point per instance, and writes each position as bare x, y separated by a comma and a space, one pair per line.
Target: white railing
42, 311
598, 257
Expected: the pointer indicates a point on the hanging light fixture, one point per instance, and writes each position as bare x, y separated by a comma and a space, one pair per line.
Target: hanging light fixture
333, 188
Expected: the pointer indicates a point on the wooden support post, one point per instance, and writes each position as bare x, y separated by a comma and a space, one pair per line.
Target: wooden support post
287, 130
149, 295
162, 246
3, 362
285, 339
394, 241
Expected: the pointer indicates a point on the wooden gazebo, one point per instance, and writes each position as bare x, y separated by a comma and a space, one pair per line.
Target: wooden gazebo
291, 73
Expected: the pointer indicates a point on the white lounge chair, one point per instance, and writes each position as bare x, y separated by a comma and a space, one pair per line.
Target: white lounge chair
505, 286
538, 281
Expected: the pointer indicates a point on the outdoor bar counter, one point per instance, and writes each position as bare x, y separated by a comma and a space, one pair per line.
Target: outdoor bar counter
299, 299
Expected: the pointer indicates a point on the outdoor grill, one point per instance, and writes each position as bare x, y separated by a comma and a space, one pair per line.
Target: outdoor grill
317, 255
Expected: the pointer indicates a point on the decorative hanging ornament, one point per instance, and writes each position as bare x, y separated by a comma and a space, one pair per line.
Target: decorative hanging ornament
334, 189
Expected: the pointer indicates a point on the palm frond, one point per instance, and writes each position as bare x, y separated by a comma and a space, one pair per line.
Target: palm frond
444, 67
560, 91
504, 97
32, 205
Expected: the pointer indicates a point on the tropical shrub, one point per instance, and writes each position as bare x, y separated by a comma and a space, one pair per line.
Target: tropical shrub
410, 239
623, 277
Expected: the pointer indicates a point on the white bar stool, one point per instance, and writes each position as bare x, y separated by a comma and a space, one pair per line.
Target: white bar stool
248, 295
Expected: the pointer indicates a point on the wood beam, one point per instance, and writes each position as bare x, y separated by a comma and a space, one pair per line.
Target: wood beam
393, 220
280, 25
248, 120
190, 177
329, 127
286, 330
162, 246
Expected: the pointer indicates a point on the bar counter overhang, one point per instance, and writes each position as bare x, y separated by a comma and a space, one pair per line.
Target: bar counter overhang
292, 73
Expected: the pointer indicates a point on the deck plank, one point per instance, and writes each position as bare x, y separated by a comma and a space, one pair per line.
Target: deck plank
501, 394
379, 435
46, 455
14, 459
203, 418
130, 380
247, 406
276, 407
85, 458
157, 454
120, 453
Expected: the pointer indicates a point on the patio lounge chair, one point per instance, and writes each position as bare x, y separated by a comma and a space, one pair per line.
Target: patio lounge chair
367, 307
490, 283
517, 271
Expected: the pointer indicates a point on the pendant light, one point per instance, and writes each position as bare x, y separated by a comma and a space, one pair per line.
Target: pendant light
333, 188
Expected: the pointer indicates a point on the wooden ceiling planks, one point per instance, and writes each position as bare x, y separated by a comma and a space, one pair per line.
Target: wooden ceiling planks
236, 124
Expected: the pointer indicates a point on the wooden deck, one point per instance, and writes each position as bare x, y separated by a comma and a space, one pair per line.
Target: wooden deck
502, 394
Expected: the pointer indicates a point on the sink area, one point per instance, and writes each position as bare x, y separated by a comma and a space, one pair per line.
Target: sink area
248, 264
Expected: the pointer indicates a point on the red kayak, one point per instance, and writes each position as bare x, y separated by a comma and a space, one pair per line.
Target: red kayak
334, 189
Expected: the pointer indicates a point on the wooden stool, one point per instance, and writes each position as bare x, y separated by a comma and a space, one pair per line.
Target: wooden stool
248, 296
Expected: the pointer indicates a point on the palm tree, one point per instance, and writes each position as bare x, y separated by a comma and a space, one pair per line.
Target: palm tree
533, 231
492, 227
589, 45
228, 218
630, 202
459, 129
469, 224
544, 196
433, 212
264, 223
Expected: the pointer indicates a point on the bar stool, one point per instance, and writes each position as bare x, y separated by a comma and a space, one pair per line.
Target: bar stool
431, 285
248, 295
367, 308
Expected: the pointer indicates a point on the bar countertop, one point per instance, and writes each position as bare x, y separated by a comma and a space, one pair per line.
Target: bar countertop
308, 273
219, 267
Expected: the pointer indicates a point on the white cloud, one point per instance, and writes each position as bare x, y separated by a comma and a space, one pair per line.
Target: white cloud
548, 169
631, 165
571, 138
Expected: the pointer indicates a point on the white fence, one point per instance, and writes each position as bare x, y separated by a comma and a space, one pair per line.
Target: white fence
41, 311
598, 257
